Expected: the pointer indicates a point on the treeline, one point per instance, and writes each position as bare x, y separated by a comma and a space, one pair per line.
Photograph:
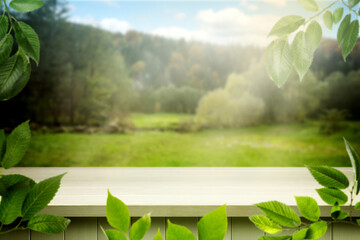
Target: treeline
88, 76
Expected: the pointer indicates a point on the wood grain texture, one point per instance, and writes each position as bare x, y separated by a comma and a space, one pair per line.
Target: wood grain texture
243, 229
16, 235
172, 192
82, 229
156, 223
228, 232
345, 232
41, 236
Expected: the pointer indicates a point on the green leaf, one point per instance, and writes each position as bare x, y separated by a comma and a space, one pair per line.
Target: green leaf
350, 38
358, 221
12, 201
344, 25
308, 207
40, 196
313, 35
113, 234
177, 232
355, 163
25, 5
353, 3
280, 213
357, 206
302, 56
340, 215
140, 227
48, 224
328, 19
265, 224
2, 144
213, 226
2, 189
300, 235
11, 74
28, 40
316, 230
158, 236
6, 47
286, 25
279, 61
332, 196
275, 238
309, 5
4, 25
117, 214
12, 179
16, 85
329, 177
17, 144
337, 213
337, 15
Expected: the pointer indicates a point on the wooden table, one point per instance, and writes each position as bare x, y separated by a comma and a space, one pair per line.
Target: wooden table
181, 194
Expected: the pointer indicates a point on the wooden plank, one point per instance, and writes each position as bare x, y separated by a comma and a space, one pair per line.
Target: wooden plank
328, 234
243, 229
173, 192
82, 229
102, 223
41, 236
18, 235
156, 223
228, 232
190, 223
345, 232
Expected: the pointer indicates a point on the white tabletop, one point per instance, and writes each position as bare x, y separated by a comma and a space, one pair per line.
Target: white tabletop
176, 191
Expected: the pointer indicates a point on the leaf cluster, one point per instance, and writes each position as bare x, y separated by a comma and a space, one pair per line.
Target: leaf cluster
282, 58
15, 69
212, 226
21, 197
279, 216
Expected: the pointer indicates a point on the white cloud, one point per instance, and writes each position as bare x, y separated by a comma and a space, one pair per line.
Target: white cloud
249, 6
111, 3
180, 16
109, 24
226, 26
71, 7
254, 5
114, 25
277, 3
181, 33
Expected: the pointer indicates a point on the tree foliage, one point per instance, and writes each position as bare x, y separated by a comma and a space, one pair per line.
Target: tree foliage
280, 60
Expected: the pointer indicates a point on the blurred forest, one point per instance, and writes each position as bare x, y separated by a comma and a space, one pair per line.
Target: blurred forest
91, 77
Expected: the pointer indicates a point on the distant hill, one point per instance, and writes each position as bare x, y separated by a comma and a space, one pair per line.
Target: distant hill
328, 58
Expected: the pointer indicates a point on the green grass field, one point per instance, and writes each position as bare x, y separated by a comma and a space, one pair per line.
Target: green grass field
281, 145
158, 121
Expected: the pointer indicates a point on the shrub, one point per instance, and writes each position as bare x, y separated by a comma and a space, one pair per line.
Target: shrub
332, 120
177, 100
233, 106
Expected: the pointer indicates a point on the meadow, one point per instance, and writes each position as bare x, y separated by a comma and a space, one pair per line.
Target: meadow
293, 145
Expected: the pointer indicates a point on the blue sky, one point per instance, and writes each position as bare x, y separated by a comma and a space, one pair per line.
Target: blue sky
223, 22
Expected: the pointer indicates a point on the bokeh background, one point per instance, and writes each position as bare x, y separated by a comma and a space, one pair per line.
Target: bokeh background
180, 83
